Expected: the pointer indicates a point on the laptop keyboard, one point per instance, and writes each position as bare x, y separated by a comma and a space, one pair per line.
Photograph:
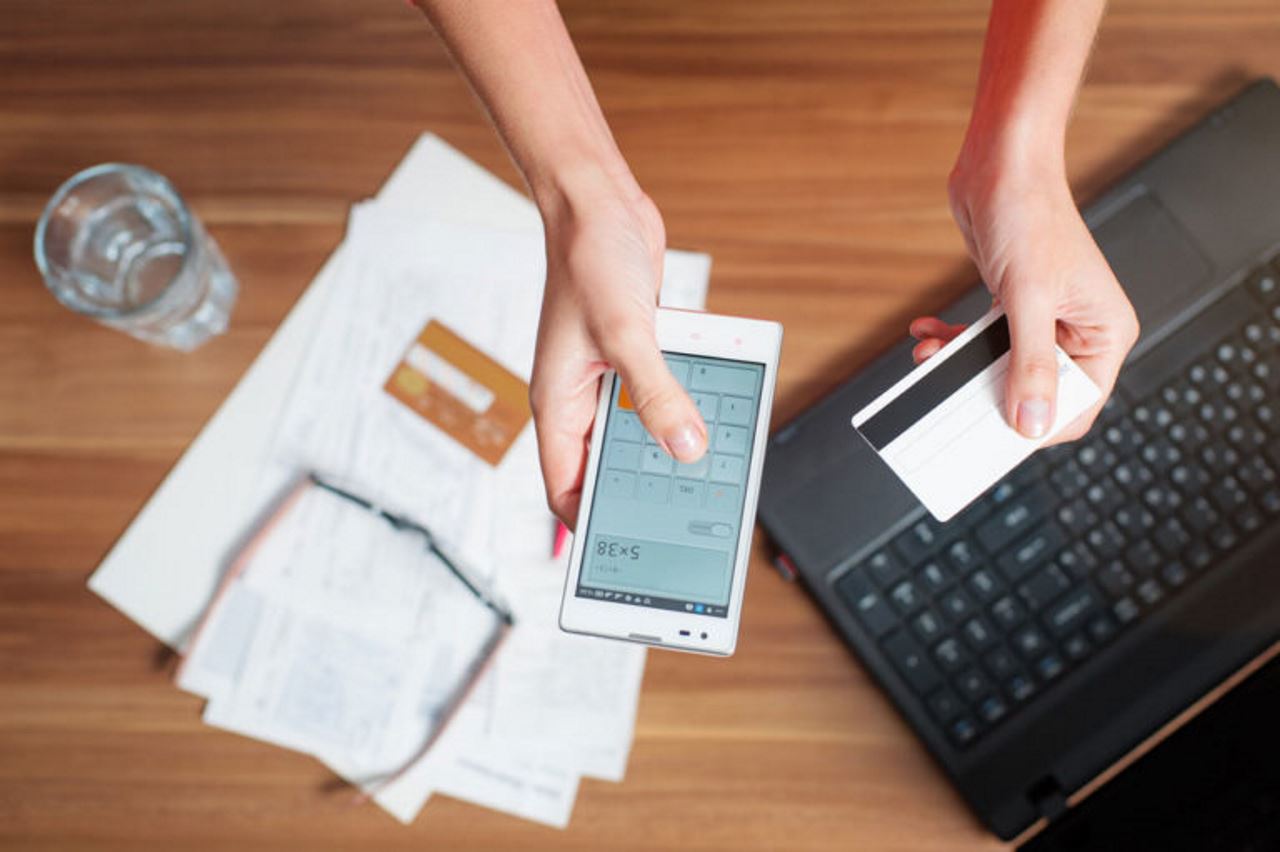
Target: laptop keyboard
984, 614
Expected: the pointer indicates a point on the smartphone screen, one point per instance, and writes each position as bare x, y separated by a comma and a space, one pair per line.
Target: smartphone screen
663, 534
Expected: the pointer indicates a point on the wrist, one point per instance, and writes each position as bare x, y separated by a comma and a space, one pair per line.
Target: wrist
1014, 154
580, 183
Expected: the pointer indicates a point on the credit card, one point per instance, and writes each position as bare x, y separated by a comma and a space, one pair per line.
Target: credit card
456, 387
942, 428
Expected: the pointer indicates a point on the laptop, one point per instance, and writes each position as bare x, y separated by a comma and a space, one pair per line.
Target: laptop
1103, 586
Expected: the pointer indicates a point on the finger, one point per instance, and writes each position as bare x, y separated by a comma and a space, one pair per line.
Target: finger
664, 408
563, 459
923, 328
926, 349
1102, 370
1076, 429
1031, 389
563, 439
1101, 363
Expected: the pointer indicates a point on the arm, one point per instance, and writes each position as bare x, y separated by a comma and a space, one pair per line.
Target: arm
604, 237
1010, 197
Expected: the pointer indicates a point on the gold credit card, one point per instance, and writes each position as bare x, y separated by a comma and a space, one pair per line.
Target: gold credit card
456, 387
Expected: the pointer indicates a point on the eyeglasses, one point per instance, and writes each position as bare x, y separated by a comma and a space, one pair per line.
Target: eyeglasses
472, 674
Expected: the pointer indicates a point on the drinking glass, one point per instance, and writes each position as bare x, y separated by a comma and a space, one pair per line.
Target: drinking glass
118, 244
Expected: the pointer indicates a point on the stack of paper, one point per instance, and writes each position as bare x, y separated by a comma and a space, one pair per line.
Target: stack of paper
445, 241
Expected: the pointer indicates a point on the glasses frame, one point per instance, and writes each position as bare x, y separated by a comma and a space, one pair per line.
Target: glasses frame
475, 672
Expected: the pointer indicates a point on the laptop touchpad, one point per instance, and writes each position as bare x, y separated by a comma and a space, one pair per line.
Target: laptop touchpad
1155, 258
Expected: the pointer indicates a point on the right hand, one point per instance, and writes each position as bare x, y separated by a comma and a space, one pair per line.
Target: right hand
605, 249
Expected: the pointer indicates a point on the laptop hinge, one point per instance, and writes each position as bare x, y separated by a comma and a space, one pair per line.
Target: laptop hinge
1047, 797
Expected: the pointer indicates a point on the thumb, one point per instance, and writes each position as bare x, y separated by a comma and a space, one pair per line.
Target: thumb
1032, 386
664, 408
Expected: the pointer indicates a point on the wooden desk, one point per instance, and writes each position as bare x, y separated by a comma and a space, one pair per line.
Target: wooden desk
805, 145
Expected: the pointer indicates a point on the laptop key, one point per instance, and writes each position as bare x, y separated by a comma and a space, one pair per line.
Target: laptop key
1115, 579
978, 633
1008, 612
1101, 628
885, 568
1016, 517
1200, 515
1076, 516
1043, 587
1133, 519
1071, 613
984, 585
945, 705
963, 731
911, 662
1265, 285
1105, 540
1149, 592
906, 597
1020, 687
1125, 610
1049, 666
867, 603
1172, 537
956, 605
928, 626
1144, 558
963, 557
1076, 646
973, 684
1077, 560
919, 541
951, 655
1030, 642
992, 709
933, 578
1031, 552
1070, 479
1199, 556
1000, 663
1174, 573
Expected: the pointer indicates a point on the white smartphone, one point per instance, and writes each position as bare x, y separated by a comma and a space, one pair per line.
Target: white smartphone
662, 547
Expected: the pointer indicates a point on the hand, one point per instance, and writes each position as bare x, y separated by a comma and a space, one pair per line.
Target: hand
1040, 262
604, 269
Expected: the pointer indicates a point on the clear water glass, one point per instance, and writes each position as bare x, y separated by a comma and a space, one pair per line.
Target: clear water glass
118, 244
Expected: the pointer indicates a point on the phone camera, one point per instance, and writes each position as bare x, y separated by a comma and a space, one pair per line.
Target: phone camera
704, 636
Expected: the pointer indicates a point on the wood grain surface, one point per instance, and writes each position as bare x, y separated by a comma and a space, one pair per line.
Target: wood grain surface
804, 144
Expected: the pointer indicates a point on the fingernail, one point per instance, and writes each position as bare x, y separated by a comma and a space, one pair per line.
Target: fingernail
1033, 417
684, 443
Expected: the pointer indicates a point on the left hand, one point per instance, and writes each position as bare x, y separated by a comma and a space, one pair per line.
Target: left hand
1040, 262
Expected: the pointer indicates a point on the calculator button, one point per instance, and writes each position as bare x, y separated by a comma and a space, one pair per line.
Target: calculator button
731, 439
654, 489
708, 377
724, 498
624, 456
726, 468
735, 410
687, 493
625, 426
618, 483
708, 405
695, 470
656, 460
679, 368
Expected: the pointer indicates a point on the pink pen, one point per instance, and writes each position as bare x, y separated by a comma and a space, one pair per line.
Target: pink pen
561, 536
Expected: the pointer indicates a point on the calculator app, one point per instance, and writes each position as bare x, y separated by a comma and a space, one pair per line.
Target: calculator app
664, 534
